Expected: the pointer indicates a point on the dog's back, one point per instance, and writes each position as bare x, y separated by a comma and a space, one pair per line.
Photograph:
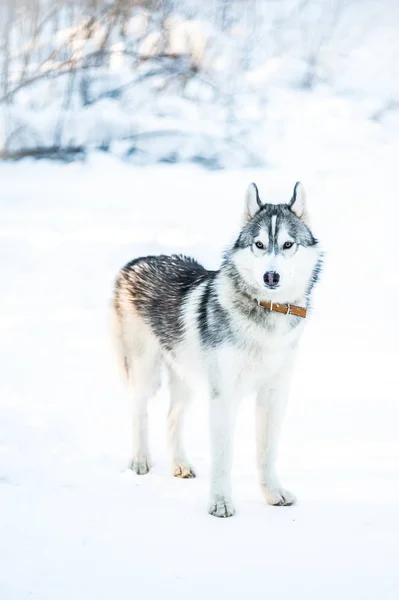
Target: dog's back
151, 290
221, 328
148, 323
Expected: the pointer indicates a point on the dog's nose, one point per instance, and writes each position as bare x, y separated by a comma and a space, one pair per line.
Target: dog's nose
271, 279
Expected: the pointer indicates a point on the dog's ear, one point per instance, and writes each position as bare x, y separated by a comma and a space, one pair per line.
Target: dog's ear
297, 204
252, 202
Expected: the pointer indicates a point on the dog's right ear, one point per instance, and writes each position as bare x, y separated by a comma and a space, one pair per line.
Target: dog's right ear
252, 202
297, 204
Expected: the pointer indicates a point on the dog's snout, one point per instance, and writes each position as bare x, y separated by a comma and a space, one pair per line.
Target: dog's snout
271, 279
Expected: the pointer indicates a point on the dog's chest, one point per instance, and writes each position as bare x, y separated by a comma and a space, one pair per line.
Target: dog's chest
259, 356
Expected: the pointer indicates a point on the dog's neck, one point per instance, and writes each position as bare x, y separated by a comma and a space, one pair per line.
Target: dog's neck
284, 308
243, 294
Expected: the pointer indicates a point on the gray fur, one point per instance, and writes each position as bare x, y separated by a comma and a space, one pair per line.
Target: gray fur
172, 309
284, 216
157, 286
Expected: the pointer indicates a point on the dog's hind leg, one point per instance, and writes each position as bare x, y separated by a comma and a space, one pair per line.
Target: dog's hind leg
181, 395
144, 380
140, 357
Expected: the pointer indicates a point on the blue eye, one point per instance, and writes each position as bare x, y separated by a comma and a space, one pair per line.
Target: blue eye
288, 245
259, 245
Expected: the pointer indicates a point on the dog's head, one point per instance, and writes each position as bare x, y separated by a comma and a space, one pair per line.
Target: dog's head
276, 254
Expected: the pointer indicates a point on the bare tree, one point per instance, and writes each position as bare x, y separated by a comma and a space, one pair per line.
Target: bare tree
139, 51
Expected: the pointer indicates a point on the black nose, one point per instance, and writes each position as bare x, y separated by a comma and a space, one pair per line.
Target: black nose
271, 279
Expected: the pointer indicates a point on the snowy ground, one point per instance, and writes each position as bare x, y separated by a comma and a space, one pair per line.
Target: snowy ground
74, 522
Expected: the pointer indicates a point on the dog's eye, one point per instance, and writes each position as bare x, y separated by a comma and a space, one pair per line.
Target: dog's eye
259, 245
288, 245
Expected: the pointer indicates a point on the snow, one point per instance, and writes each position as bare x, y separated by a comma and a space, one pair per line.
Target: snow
74, 521
225, 94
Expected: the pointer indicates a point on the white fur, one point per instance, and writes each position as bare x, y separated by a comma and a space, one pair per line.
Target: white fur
181, 395
295, 267
270, 407
143, 380
261, 364
274, 220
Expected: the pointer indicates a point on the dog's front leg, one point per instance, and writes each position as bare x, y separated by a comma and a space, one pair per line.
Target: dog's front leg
222, 414
270, 408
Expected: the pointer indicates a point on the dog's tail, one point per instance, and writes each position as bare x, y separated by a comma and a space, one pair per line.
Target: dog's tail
116, 328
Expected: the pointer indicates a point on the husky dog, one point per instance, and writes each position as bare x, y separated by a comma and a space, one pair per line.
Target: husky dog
211, 327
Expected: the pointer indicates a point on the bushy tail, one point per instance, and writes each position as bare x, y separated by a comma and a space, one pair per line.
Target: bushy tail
118, 341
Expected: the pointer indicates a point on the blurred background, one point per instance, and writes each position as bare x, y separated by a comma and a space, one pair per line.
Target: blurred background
222, 83
133, 127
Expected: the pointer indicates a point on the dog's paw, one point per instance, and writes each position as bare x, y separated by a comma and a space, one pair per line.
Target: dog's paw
183, 471
221, 507
140, 466
279, 497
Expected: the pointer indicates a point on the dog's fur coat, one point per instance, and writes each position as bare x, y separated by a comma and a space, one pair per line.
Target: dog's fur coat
208, 326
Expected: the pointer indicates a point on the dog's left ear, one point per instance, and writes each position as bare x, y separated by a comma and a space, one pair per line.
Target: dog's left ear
297, 204
252, 202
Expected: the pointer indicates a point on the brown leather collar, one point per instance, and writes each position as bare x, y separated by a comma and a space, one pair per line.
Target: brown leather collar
286, 309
